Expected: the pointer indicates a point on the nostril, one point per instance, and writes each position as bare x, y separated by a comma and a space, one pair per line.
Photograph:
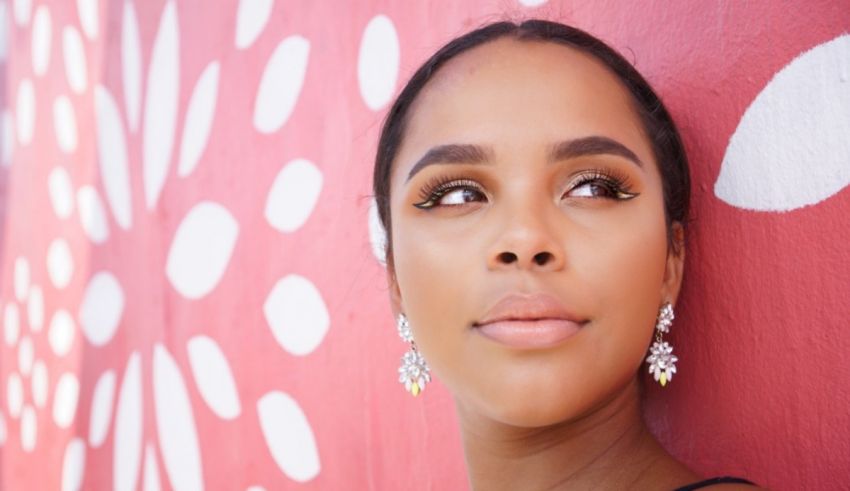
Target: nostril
507, 257
542, 258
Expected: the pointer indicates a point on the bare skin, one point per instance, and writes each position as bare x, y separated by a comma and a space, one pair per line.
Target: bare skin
564, 416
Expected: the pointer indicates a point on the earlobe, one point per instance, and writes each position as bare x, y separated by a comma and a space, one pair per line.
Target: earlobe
675, 266
395, 292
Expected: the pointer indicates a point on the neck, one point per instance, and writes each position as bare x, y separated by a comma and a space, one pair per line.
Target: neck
607, 448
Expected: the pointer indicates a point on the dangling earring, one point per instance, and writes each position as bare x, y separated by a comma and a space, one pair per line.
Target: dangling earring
662, 361
413, 372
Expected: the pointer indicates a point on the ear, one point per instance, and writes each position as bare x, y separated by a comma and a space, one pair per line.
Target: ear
395, 291
675, 265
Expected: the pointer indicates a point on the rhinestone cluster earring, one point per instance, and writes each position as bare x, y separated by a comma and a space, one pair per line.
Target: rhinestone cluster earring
413, 372
662, 361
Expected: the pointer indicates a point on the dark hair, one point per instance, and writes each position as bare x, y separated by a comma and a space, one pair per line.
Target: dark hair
667, 147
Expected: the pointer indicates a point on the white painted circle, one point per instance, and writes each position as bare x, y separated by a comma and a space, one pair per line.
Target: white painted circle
60, 191
61, 333
60, 263
65, 400
293, 195
378, 62
25, 112
296, 314
65, 124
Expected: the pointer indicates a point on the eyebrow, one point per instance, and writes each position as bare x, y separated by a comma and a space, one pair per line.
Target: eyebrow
454, 153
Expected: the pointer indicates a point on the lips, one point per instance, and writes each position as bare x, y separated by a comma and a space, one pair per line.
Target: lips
529, 321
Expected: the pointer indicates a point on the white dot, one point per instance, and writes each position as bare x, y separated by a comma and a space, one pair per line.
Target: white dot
39, 383
60, 263
41, 36
112, 157
3, 430
61, 333
88, 12
532, 3
25, 112
101, 408
65, 124
14, 394
11, 324
127, 447
60, 190
378, 61
293, 195
28, 429
8, 137
22, 10
35, 308
22, 278
281, 83
296, 315
251, 18
65, 400
74, 53
73, 465
288, 436
26, 353
101, 308
199, 120
213, 376
377, 234
92, 215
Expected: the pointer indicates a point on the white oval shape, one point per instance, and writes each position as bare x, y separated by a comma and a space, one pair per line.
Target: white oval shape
127, 447
251, 18
60, 263
199, 119
40, 46
131, 65
73, 465
101, 308
160, 120
60, 190
296, 315
11, 324
14, 395
74, 54
293, 195
92, 215
378, 61
8, 137
22, 10
281, 83
112, 154
22, 278
175, 424
214, 378
61, 333
65, 124
35, 308
201, 249
377, 234
288, 436
101, 408
39, 384
151, 476
88, 12
5, 24
3, 430
532, 3
65, 399
29, 432
791, 147
26, 355
25, 112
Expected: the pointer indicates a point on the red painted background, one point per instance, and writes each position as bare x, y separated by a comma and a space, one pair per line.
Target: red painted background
291, 305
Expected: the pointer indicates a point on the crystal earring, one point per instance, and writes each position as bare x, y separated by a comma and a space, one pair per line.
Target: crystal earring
662, 361
413, 372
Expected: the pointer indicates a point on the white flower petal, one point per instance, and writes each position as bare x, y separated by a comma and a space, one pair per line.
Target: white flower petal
296, 314
60, 263
791, 147
26, 354
61, 333
29, 431
199, 119
74, 53
8, 137
74, 465
201, 249
151, 477
251, 18
101, 408
131, 65
65, 399
35, 308
92, 215
532, 3
60, 190
101, 308
112, 153
39, 384
160, 120
175, 424
11, 323
378, 61
293, 195
127, 447
377, 234
88, 12
25, 112
288, 436
281, 83
22, 278
14, 395
22, 10
40, 46
214, 378
65, 124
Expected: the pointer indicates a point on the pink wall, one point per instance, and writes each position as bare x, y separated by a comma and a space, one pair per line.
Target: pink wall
189, 296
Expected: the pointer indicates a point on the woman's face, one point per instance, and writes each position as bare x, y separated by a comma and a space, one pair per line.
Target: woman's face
525, 193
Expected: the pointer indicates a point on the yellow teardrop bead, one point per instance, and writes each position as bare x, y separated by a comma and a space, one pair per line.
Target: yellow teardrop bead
663, 379
414, 389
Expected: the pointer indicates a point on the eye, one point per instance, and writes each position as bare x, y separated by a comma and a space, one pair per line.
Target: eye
601, 184
450, 193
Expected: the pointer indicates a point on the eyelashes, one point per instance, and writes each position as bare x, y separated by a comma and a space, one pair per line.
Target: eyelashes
609, 184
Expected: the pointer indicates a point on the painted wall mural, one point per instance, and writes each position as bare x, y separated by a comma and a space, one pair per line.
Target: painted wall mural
192, 292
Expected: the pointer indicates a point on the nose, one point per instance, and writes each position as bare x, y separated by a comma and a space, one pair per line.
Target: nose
527, 242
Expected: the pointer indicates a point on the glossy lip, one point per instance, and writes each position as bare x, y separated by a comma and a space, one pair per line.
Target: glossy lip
529, 321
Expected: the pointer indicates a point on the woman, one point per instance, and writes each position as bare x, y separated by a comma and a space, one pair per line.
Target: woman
535, 193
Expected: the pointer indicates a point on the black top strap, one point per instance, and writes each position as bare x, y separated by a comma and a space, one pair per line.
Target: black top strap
713, 480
